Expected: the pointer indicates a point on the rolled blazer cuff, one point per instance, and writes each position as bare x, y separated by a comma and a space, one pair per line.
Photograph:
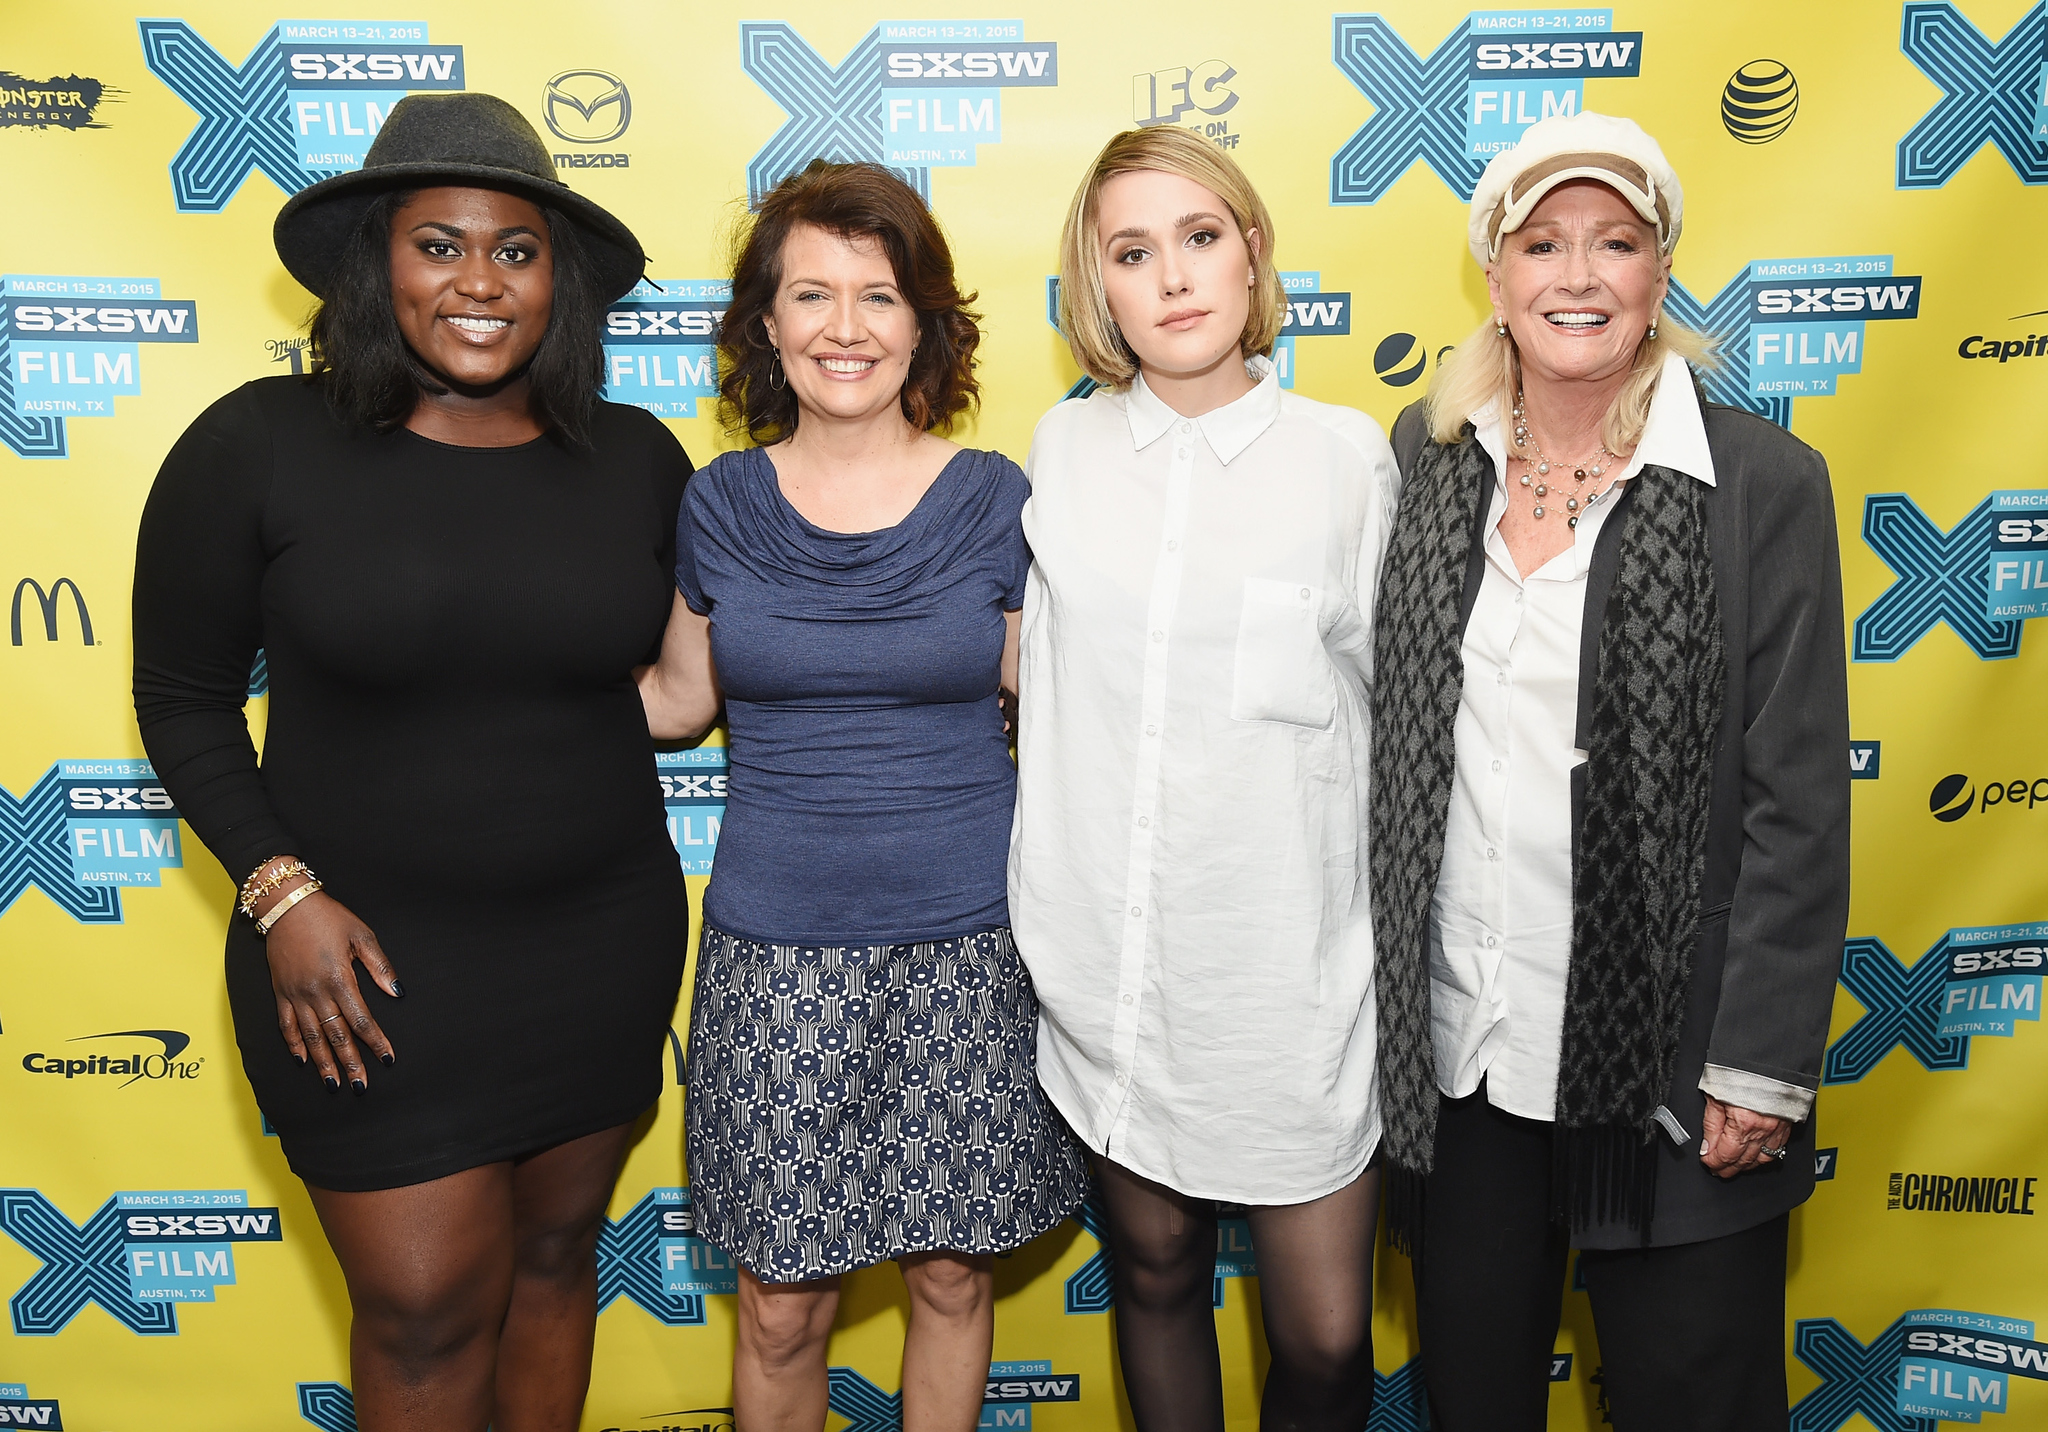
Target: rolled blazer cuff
1757, 1091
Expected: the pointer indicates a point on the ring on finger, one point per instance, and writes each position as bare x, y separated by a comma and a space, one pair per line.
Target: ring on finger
1778, 1153
331, 1018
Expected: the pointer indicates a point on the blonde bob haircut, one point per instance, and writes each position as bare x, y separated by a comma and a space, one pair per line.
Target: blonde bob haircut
1098, 345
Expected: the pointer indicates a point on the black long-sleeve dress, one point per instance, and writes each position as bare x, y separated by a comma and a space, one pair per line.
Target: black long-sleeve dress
455, 746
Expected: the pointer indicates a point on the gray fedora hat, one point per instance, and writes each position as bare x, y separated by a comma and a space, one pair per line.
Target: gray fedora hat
458, 139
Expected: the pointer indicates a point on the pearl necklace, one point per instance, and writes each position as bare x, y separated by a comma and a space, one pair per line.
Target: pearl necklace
1586, 471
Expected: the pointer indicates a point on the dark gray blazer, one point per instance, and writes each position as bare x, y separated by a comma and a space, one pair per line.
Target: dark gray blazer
1775, 902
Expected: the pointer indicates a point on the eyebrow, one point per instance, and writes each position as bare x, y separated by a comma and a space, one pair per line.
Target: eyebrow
889, 284
456, 231
1140, 232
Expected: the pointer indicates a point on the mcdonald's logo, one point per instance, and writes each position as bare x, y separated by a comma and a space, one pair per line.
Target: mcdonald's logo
48, 602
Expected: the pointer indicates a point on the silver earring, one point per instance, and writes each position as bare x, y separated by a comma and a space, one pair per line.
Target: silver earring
1500, 330
1653, 328
776, 372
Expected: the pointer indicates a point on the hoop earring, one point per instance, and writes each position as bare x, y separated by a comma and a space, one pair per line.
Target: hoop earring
776, 372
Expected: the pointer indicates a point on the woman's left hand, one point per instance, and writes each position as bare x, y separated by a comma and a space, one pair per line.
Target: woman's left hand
1737, 1140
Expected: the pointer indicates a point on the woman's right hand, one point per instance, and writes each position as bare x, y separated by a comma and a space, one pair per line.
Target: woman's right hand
313, 949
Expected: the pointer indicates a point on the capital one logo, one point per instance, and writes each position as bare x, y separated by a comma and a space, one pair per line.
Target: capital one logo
912, 95
306, 103
138, 1257
1984, 577
1495, 75
1992, 93
1972, 983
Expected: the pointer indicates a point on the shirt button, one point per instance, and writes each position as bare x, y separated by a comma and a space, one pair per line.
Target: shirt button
1173, 546
1304, 593
1144, 821
1187, 427
1127, 999
1502, 678
1492, 942
1496, 767
1151, 730
1137, 911
1492, 854
1122, 1078
1159, 636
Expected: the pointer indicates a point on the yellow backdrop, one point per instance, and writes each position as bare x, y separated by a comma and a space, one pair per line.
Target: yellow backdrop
1864, 231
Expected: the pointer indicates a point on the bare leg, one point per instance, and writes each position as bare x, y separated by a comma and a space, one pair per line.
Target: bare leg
952, 1331
778, 1363
558, 1203
1315, 1286
1164, 1246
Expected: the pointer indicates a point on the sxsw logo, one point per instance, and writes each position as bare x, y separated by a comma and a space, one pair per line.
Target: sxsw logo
84, 830
653, 1257
914, 95
1931, 1365
306, 103
661, 344
1983, 577
1973, 982
1496, 74
69, 346
18, 1409
137, 1257
1863, 760
1991, 94
693, 789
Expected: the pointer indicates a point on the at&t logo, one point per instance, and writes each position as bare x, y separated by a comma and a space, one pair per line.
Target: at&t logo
1496, 74
1759, 102
306, 102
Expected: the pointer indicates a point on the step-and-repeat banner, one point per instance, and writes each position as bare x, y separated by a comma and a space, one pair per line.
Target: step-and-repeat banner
1864, 235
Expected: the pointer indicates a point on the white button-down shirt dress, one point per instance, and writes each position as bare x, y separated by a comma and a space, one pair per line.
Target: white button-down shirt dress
1188, 865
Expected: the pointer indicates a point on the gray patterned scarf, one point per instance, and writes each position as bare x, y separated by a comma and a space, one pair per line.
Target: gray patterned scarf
1640, 849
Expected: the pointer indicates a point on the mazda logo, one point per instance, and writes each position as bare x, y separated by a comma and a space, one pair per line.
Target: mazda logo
587, 106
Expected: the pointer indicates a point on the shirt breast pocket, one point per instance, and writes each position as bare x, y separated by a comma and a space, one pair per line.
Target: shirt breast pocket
1282, 672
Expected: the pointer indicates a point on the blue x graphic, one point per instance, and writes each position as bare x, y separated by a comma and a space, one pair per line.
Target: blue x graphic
1417, 111
1091, 1288
244, 116
26, 437
80, 1266
1726, 317
1854, 1378
1900, 1006
1988, 94
865, 1406
629, 1266
1399, 1403
32, 852
1943, 577
328, 1406
834, 113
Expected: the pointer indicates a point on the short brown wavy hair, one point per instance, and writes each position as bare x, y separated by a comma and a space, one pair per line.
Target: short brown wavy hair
853, 201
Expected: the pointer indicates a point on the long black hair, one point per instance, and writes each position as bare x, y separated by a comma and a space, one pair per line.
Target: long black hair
374, 379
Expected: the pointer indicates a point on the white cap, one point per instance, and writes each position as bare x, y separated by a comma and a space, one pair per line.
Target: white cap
1575, 146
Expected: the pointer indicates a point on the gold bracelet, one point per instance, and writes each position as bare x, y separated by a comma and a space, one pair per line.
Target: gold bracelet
276, 911
260, 884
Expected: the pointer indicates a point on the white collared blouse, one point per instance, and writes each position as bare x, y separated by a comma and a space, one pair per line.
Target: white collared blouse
1501, 921
1188, 864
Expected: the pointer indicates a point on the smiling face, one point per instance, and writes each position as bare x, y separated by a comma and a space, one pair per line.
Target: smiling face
472, 283
842, 326
1579, 284
1176, 272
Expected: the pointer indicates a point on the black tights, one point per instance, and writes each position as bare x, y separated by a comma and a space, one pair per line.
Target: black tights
1315, 1288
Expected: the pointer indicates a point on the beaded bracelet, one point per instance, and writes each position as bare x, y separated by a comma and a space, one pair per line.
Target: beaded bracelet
260, 884
276, 912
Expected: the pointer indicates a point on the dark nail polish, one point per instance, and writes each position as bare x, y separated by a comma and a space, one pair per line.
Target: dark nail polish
357, 1085
301, 1058
386, 1058
331, 1082
397, 990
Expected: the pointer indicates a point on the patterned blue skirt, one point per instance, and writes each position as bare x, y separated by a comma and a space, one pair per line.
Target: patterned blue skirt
851, 1104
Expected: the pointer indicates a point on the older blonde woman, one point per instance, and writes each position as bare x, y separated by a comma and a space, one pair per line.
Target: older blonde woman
1609, 821
1186, 872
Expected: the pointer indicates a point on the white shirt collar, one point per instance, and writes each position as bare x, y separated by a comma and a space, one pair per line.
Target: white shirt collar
1229, 430
1674, 435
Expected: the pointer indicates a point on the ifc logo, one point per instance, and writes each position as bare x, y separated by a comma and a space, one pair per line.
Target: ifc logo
587, 106
1952, 797
1759, 101
1399, 360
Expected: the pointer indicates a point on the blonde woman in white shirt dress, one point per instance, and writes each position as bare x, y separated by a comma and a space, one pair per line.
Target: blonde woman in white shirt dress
1187, 872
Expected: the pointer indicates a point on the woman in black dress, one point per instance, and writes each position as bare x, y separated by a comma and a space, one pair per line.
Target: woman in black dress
453, 554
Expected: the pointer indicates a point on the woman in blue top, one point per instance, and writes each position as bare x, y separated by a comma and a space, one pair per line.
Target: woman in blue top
861, 1040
